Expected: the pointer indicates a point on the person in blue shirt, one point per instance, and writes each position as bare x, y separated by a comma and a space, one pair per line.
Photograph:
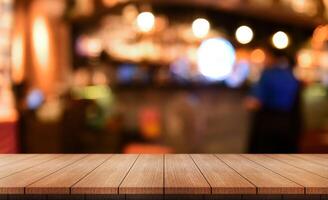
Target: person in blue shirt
274, 102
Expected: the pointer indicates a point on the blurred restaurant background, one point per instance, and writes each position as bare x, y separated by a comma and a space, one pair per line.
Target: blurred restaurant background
156, 76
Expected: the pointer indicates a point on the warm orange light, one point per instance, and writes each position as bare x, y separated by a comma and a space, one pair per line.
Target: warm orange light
305, 59
130, 13
17, 58
320, 36
40, 36
305, 7
258, 56
110, 3
7, 105
99, 78
8, 112
242, 54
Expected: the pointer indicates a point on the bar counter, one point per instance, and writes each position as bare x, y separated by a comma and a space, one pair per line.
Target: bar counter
169, 176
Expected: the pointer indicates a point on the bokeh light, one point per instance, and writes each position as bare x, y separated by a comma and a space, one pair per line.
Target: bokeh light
40, 35
244, 34
239, 74
323, 60
94, 47
307, 7
34, 99
126, 73
145, 21
258, 56
89, 46
110, 3
305, 59
200, 27
181, 68
17, 59
215, 58
130, 13
280, 40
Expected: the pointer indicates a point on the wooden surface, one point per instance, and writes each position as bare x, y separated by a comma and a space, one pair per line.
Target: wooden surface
107, 178
145, 177
16, 183
61, 181
220, 176
266, 181
312, 183
23, 164
183, 177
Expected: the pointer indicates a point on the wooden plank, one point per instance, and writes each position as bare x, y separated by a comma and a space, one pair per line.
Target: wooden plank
301, 197
322, 155
183, 197
26, 197
104, 197
65, 197
107, 178
21, 165
262, 197
61, 181
222, 179
15, 184
313, 183
145, 177
6, 159
315, 168
266, 181
315, 158
183, 177
144, 197
223, 197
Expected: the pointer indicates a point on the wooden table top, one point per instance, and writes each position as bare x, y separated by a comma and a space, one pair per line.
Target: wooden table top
170, 174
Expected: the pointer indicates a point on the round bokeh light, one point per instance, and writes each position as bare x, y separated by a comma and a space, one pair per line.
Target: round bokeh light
244, 34
146, 21
216, 58
280, 40
200, 27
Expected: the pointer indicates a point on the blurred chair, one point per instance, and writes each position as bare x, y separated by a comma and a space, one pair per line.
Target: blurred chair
8, 137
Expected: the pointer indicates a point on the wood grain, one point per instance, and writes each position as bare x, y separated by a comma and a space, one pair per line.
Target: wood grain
183, 177
313, 183
266, 181
315, 168
222, 179
61, 181
107, 177
21, 165
6, 159
15, 184
314, 158
172, 176
145, 177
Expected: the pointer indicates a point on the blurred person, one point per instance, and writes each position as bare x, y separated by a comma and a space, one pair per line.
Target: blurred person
20, 92
274, 102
